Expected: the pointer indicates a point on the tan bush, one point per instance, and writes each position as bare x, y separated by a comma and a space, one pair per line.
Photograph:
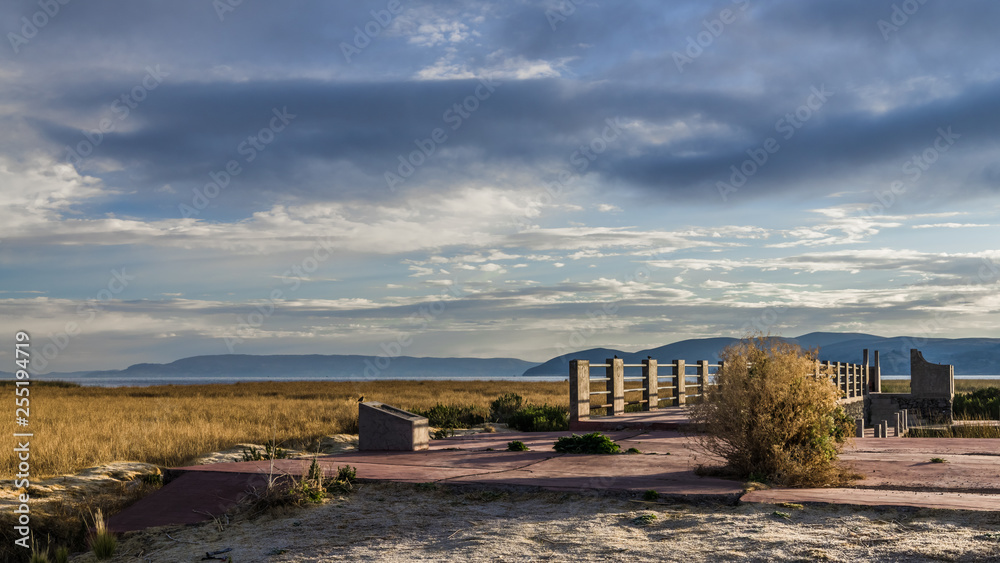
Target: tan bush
771, 418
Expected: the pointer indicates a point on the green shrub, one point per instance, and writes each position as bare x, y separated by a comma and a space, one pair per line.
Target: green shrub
505, 405
516, 446
62, 555
347, 473
650, 495
593, 443
39, 556
270, 451
102, 542
980, 404
533, 418
454, 416
770, 416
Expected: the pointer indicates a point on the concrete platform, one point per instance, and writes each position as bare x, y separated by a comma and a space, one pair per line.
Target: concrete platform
668, 418
898, 473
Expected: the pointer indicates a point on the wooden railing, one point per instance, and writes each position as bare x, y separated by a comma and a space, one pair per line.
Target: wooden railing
664, 385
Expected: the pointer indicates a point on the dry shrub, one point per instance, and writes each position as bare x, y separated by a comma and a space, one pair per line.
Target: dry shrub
771, 418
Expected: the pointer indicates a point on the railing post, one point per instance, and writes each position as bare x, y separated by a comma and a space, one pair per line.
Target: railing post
579, 390
616, 375
680, 383
650, 382
702, 378
865, 379
876, 378
840, 382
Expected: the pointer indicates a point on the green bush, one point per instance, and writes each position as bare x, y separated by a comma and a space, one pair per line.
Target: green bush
533, 418
983, 404
593, 443
505, 405
454, 416
770, 416
516, 446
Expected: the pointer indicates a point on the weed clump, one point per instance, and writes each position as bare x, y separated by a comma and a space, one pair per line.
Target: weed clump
516, 446
270, 451
545, 418
772, 417
593, 443
102, 542
505, 405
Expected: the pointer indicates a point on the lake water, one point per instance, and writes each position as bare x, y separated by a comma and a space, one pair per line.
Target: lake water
146, 382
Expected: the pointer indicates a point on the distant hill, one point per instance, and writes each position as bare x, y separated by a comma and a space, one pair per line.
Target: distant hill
312, 366
970, 356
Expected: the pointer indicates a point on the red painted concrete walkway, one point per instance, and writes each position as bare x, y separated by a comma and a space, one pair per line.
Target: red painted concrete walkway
898, 473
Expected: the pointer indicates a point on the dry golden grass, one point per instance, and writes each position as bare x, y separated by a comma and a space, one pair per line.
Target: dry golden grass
80, 427
961, 385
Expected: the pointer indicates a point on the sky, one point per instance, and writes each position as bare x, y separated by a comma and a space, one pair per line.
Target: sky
491, 179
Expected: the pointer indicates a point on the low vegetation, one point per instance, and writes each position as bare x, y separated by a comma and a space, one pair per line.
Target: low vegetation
771, 419
981, 404
593, 443
545, 418
171, 425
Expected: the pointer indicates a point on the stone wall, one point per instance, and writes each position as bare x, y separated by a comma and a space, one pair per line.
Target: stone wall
854, 408
928, 410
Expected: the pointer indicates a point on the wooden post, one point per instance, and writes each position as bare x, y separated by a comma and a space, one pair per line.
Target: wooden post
650, 393
579, 390
702, 377
840, 382
679, 383
866, 365
876, 381
616, 373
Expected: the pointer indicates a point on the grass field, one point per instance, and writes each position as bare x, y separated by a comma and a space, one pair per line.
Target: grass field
80, 427
961, 385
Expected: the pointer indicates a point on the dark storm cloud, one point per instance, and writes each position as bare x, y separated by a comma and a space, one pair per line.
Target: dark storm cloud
349, 131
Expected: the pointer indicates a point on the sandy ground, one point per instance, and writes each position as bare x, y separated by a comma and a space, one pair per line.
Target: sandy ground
402, 522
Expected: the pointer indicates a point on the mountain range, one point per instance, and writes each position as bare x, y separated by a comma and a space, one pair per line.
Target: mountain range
970, 356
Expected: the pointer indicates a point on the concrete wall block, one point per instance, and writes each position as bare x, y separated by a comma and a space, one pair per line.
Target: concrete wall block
385, 428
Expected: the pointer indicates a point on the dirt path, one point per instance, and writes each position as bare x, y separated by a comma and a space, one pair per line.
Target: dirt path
402, 522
